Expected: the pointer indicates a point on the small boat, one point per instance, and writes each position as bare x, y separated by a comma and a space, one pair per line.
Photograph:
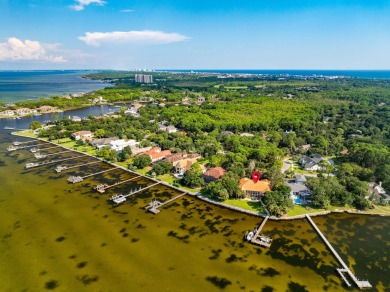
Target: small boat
265, 239
8, 128
33, 150
12, 148
249, 235
31, 164
118, 199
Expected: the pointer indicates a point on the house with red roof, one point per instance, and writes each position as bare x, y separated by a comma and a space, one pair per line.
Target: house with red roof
213, 174
156, 154
254, 190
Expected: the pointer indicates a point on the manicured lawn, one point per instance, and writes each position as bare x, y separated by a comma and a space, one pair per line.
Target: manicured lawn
143, 171
247, 205
384, 210
25, 133
166, 178
301, 210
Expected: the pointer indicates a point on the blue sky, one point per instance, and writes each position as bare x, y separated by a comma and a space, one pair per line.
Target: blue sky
186, 34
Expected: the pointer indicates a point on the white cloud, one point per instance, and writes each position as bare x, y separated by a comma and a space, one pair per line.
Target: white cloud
127, 10
15, 49
142, 37
82, 3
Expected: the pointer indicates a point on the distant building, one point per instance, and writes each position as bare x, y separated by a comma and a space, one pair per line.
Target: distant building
140, 78
75, 119
169, 129
46, 108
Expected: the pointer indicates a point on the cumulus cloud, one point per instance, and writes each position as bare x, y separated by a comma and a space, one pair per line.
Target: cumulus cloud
138, 37
15, 49
80, 4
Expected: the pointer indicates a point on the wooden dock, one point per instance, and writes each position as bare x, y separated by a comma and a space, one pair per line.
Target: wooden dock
118, 199
38, 156
345, 269
155, 204
33, 165
43, 149
103, 187
75, 179
255, 239
16, 143
75, 166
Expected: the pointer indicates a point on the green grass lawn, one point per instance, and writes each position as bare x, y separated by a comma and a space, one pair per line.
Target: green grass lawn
301, 210
25, 133
247, 205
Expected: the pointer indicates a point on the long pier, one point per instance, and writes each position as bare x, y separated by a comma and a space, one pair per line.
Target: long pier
103, 187
34, 164
96, 173
255, 239
46, 155
43, 149
345, 269
61, 168
122, 198
16, 143
76, 179
140, 190
154, 205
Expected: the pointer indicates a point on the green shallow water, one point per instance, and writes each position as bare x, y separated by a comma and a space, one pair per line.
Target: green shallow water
65, 237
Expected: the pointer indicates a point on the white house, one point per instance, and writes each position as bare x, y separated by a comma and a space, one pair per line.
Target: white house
82, 135
119, 144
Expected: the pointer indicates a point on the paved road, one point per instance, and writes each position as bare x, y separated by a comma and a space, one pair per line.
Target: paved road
286, 165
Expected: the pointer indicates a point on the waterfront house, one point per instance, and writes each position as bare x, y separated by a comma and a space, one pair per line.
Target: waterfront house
119, 144
7, 113
47, 108
136, 150
253, 190
181, 166
75, 119
100, 143
213, 174
82, 135
156, 154
24, 111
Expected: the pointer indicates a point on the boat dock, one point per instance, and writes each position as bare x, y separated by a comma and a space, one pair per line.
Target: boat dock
345, 269
36, 164
76, 179
102, 187
16, 143
42, 149
61, 168
14, 148
155, 204
263, 241
122, 198
38, 155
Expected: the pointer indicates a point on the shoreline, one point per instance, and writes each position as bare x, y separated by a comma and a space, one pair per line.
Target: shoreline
200, 197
